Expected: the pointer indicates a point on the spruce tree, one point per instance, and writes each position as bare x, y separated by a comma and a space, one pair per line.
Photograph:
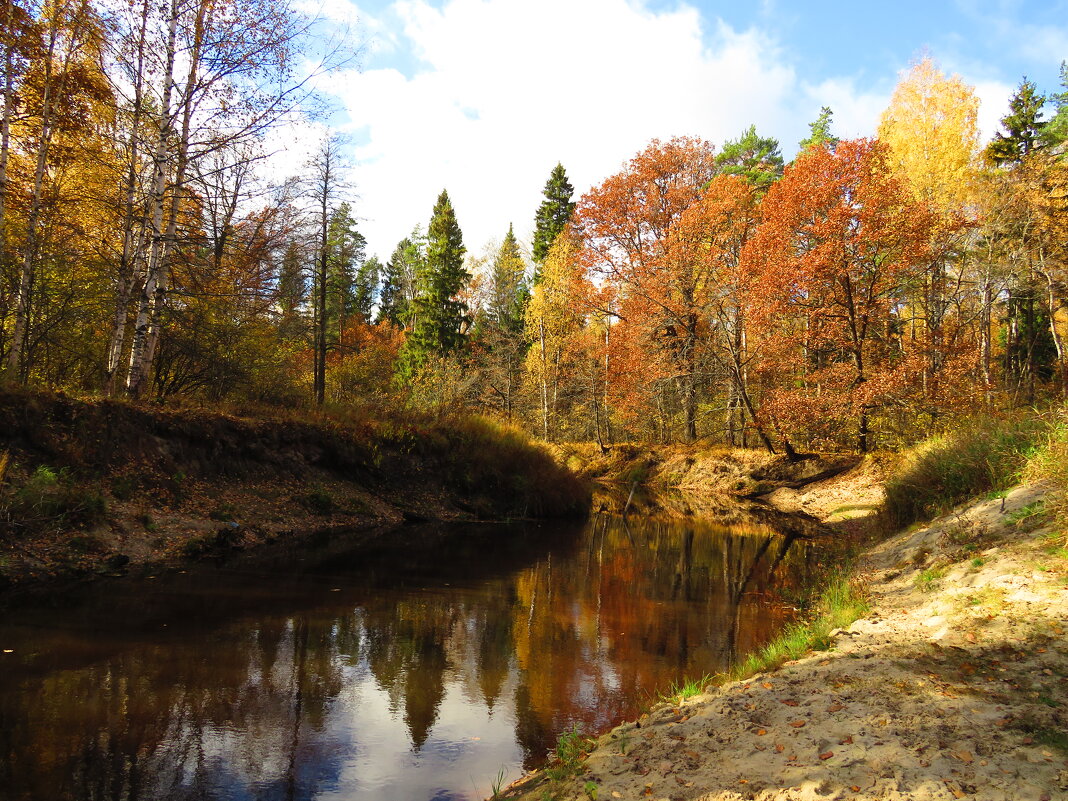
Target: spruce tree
1023, 127
398, 281
365, 288
553, 214
439, 313
508, 290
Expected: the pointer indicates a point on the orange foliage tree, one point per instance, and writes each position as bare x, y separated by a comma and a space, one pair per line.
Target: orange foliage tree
841, 241
656, 294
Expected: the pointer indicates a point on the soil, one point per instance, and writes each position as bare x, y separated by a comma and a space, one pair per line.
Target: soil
954, 686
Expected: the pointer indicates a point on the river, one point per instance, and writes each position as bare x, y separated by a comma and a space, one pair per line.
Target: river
425, 664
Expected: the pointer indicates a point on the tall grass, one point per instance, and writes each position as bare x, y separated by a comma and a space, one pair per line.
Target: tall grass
983, 455
1050, 465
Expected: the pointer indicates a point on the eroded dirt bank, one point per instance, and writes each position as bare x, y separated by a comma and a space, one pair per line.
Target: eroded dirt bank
98, 486
954, 686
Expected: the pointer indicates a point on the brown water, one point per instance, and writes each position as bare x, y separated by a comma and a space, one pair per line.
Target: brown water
417, 669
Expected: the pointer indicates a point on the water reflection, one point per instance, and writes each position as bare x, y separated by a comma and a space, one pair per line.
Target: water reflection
413, 670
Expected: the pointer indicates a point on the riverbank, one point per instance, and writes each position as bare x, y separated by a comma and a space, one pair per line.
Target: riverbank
955, 684
96, 487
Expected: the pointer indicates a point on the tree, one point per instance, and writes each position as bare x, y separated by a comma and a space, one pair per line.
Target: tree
498, 327
440, 314
399, 280
1023, 127
366, 288
346, 247
931, 128
820, 132
60, 86
553, 322
657, 294
841, 239
222, 74
755, 158
1055, 131
324, 187
553, 214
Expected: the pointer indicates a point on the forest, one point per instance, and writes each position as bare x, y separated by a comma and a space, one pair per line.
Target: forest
858, 297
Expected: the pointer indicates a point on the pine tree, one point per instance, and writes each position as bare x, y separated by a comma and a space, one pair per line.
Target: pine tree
1023, 127
440, 315
553, 214
755, 158
820, 132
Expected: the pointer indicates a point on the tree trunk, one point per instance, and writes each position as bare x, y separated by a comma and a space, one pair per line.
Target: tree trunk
132, 240
154, 286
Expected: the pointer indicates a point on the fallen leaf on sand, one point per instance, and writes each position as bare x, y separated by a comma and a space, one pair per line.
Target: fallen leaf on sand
855, 788
617, 794
847, 741
954, 788
761, 732
790, 702
964, 756
797, 724
827, 755
766, 685
780, 748
692, 754
836, 707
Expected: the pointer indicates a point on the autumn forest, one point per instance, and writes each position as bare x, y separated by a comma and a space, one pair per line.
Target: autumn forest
865, 293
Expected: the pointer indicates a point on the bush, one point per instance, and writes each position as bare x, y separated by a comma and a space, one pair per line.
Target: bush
982, 456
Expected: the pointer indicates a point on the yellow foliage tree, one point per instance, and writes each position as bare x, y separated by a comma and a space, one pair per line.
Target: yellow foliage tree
932, 131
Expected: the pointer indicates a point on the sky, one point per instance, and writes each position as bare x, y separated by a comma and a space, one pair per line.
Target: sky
484, 97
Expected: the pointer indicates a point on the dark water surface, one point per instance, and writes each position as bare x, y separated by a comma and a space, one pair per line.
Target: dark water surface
416, 669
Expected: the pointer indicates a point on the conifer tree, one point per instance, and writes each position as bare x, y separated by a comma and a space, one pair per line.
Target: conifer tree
1055, 131
440, 314
553, 214
755, 158
365, 288
1023, 127
398, 281
820, 132
508, 291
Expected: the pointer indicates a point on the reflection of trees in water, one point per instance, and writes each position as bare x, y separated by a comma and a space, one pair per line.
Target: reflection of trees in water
580, 636
646, 603
163, 721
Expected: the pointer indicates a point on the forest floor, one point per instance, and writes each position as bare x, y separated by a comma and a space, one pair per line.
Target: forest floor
955, 685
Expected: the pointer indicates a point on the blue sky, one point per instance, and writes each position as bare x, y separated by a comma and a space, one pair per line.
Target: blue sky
483, 97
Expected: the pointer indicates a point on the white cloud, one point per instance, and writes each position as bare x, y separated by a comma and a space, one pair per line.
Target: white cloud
495, 92
505, 89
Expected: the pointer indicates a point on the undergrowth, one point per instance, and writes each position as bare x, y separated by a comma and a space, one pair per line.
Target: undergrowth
985, 455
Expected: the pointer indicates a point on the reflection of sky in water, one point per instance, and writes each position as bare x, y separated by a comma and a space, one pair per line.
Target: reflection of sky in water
378, 692
363, 748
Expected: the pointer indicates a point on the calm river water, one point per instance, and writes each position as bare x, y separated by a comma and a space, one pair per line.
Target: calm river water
416, 669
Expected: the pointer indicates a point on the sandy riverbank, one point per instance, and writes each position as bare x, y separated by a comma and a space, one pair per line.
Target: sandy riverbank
954, 686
